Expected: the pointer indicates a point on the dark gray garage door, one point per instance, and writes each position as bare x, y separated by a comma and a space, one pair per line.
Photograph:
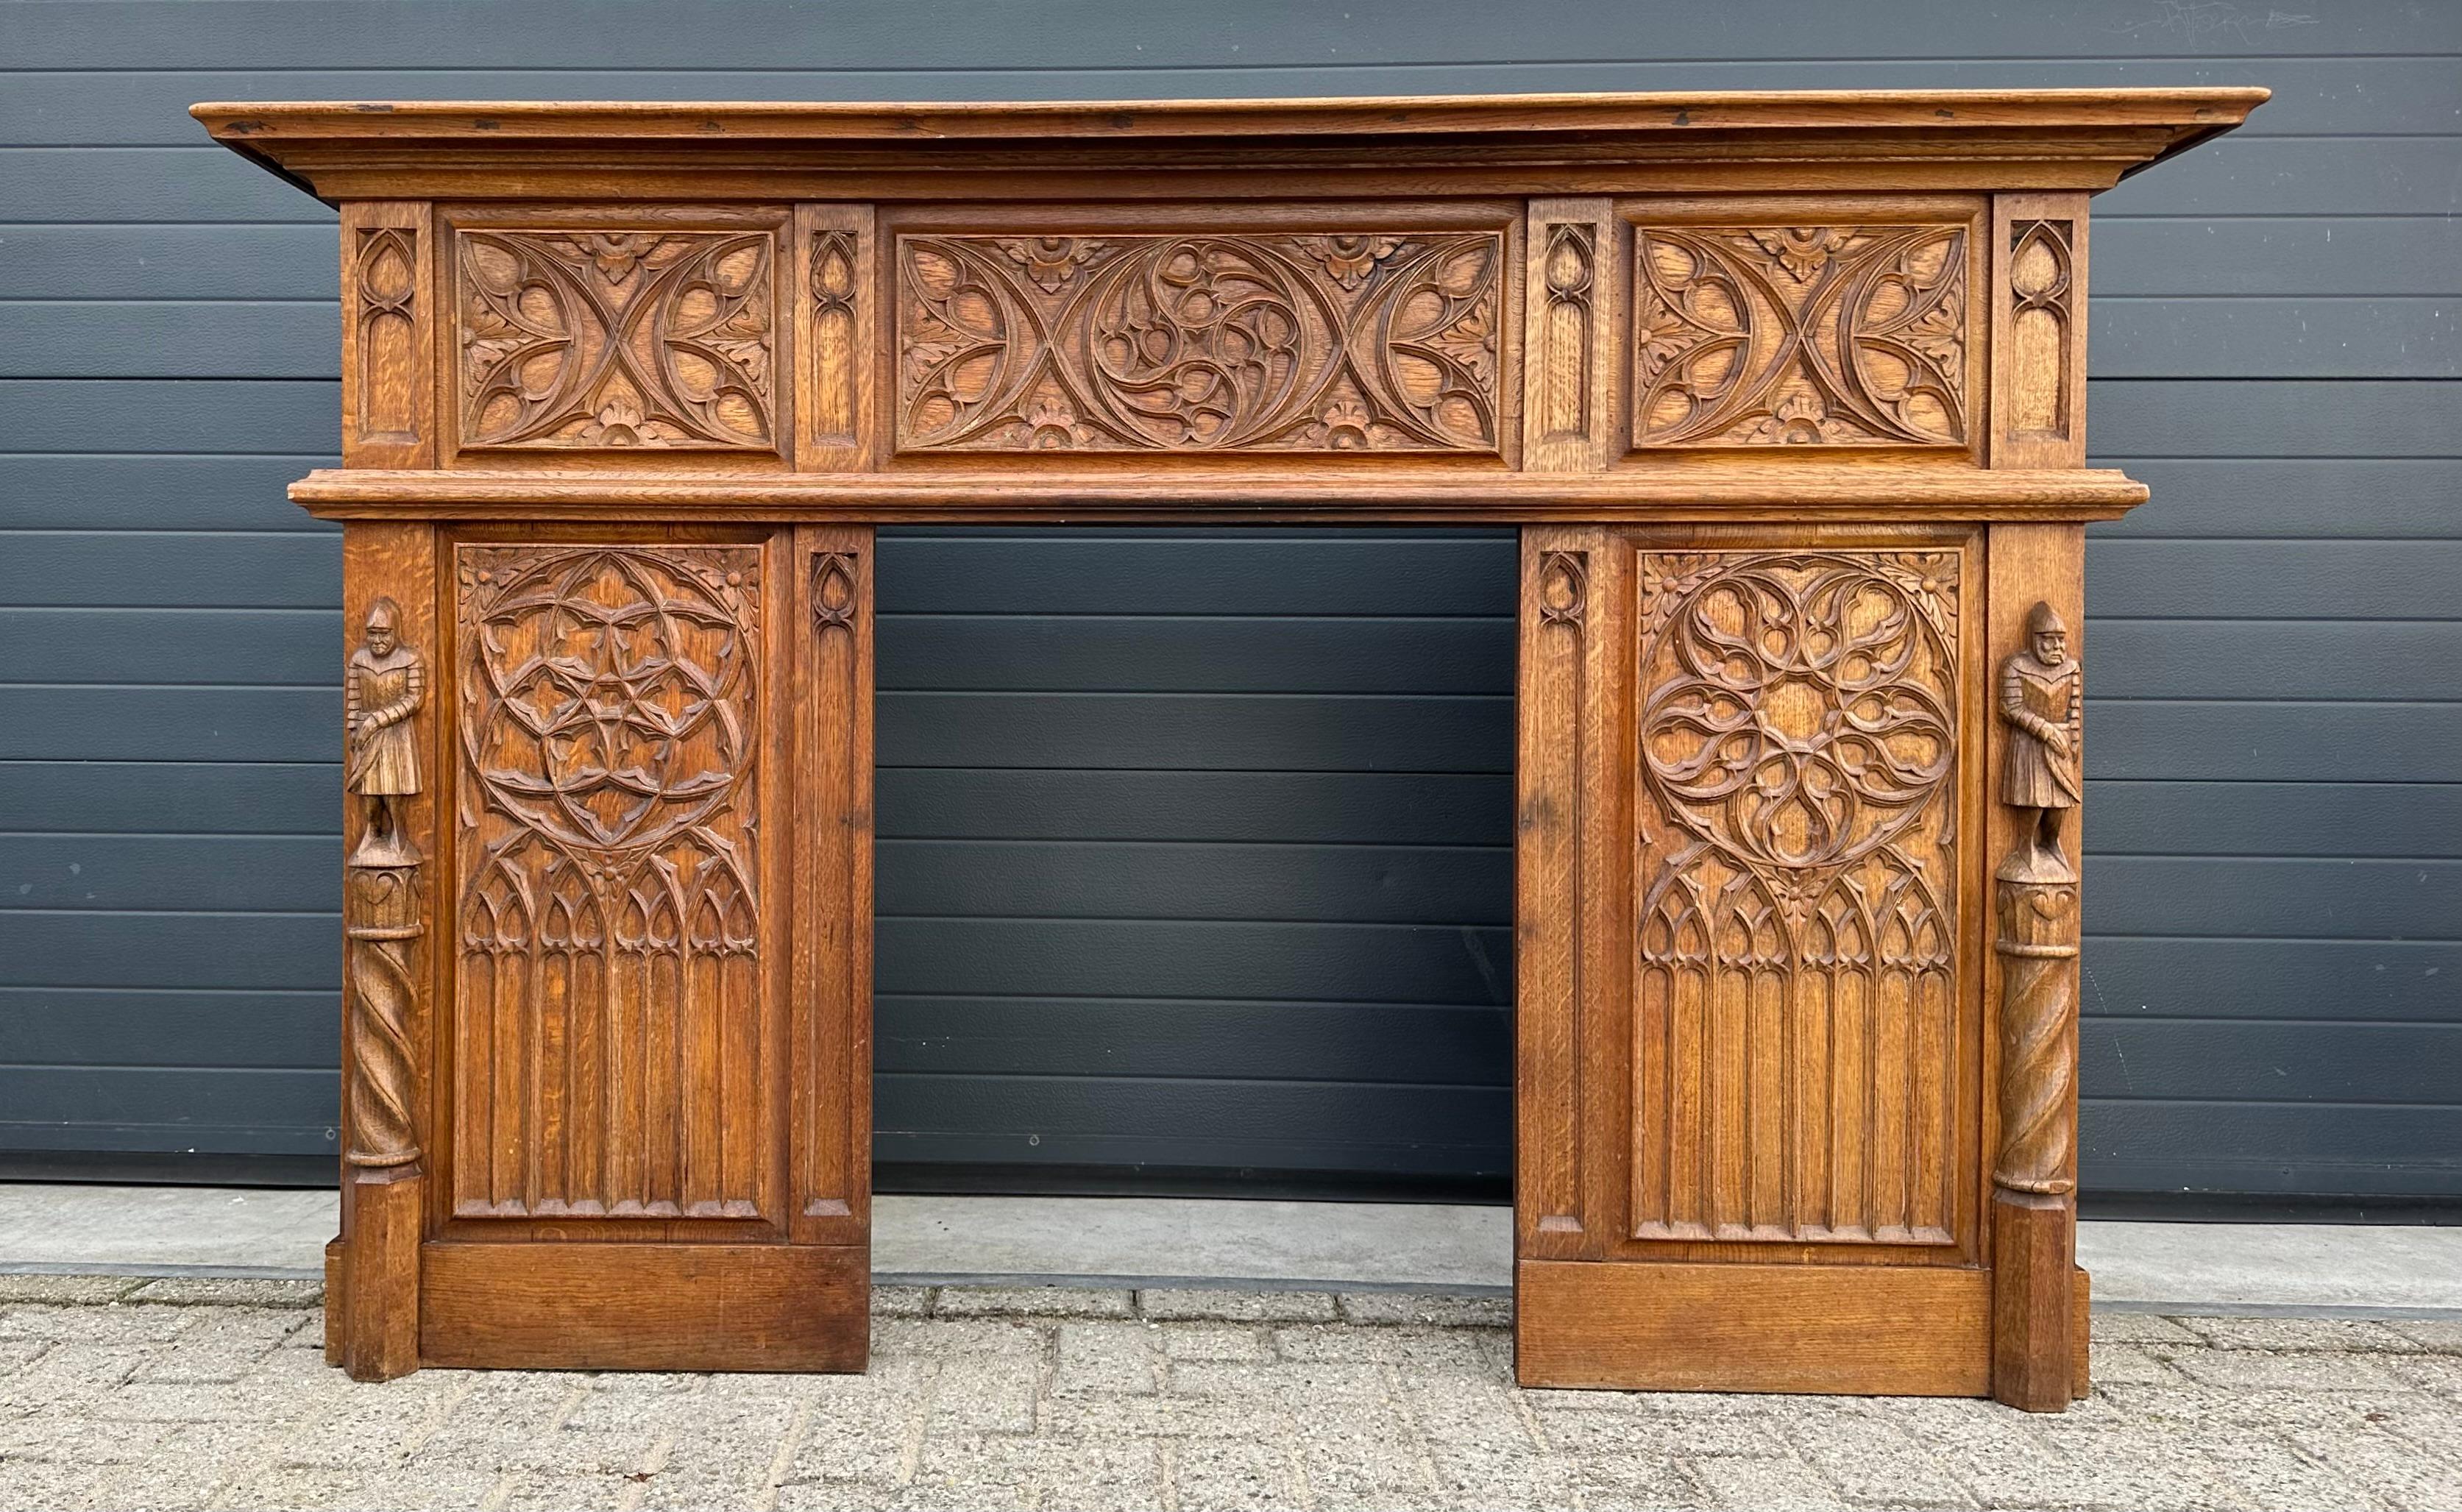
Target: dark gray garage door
1194, 844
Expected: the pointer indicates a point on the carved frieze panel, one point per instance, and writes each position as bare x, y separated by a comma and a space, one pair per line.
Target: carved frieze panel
1804, 335
1250, 343
1797, 1016
609, 991
591, 339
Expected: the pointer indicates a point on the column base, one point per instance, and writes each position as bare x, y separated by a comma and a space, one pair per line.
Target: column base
372, 1317
2037, 1302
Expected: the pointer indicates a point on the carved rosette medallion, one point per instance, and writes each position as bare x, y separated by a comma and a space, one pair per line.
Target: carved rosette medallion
1257, 342
1815, 336
615, 338
609, 902
1797, 974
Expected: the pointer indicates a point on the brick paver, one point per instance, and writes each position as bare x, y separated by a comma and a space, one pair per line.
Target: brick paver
116, 1393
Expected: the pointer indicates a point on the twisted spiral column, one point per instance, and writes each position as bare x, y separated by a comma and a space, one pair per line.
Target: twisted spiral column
2038, 946
381, 922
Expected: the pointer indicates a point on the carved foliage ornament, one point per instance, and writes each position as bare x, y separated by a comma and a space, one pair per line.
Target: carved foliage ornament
1206, 342
602, 339
1819, 335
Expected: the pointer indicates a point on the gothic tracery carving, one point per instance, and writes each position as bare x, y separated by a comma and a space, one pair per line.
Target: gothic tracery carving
609, 899
1822, 336
1199, 342
1797, 744
603, 339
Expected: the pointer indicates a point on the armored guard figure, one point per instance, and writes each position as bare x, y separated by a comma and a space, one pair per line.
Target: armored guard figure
384, 686
2042, 703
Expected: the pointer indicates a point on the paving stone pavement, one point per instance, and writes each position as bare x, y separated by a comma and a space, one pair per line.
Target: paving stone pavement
195, 1394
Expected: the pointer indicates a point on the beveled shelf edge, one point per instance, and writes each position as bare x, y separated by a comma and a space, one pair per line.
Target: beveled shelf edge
1680, 111
1565, 144
1724, 494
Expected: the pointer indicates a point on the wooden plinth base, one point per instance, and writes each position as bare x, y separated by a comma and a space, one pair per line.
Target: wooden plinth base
584, 1306
1855, 1330
2036, 1303
372, 1278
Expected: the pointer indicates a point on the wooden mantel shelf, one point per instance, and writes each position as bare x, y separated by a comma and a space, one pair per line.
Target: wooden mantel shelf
2083, 139
1705, 494
1785, 392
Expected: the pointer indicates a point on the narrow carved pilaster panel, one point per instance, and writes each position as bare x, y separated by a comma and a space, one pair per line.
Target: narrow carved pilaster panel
835, 290
1558, 704
2039, 256
574, 338
1803, 333
387, 352
1798, 1019
1569, 337
832, 1046
1231, 341
611, 1002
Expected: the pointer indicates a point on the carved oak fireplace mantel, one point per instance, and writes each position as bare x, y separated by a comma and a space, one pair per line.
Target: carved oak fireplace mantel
1787, 393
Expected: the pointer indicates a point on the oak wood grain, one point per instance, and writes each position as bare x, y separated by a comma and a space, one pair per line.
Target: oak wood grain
645, 1307
1786, 389
1778, 1327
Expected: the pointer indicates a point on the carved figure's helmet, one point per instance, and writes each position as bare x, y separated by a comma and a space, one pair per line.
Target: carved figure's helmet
2043, 620
385, 617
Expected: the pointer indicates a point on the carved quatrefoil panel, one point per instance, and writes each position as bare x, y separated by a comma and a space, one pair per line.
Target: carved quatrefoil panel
617, 338
1217, 342
1835, 336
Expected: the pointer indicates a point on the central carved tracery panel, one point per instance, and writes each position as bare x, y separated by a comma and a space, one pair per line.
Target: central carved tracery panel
1257, 342
610, 915
1797, 1005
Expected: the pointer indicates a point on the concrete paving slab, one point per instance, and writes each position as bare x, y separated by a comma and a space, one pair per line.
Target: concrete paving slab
1172, 1242
1152, 1410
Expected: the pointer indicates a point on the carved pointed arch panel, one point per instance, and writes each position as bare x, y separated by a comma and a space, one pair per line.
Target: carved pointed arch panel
619, 1052
1801, 1034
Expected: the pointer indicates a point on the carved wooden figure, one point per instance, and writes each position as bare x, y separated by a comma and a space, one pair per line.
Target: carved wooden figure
1787, 393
